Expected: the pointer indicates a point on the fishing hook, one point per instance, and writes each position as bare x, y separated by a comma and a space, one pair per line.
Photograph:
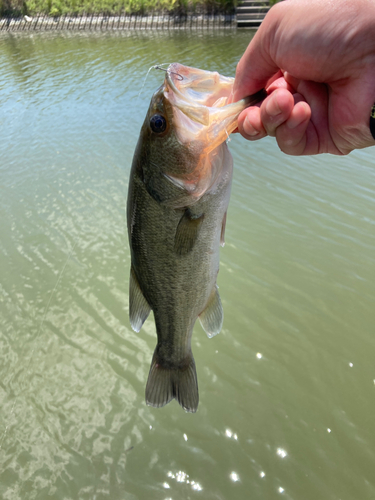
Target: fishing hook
158, 66
180, 77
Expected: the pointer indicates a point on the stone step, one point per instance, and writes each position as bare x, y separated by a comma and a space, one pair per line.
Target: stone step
254, 17
252, 10
250, 13
255, 2
249, 24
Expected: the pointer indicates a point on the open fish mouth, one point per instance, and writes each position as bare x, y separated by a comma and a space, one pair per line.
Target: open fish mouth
202, 120
200, 102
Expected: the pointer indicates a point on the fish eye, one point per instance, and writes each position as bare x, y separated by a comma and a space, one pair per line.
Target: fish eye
158, 124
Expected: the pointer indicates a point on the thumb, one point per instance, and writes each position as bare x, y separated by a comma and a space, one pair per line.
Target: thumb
256, 67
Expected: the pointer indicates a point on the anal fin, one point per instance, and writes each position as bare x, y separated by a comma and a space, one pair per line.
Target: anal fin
139, 308
211, 318
222, 234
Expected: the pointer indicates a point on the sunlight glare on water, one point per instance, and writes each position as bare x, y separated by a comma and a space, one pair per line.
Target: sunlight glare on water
286, 390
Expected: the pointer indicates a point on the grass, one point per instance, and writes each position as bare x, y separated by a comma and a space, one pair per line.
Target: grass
61, 7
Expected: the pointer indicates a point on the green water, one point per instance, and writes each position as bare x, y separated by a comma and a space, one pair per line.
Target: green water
287, 390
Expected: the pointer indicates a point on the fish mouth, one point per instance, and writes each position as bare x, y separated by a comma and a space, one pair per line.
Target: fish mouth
202, 120
199, 100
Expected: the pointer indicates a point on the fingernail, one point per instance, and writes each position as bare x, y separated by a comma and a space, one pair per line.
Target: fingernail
249, 129
272, 106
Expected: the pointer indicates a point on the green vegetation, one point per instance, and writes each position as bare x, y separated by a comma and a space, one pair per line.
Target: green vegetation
61, 7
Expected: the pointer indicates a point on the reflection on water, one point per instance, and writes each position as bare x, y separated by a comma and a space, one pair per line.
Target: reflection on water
287, 388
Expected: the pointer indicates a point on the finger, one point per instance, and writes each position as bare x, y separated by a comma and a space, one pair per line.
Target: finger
279, 83
292, 136
276, 109
250, 124
275, 77
318, 133
291, 80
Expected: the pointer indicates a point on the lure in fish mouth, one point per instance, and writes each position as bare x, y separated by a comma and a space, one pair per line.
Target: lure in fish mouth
178, 197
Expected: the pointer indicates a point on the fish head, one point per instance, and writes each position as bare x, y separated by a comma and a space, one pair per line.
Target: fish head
184, 133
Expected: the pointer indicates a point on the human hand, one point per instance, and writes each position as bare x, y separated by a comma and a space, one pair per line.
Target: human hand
317, 61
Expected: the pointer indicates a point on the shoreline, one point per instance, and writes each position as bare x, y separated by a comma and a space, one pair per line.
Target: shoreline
122, 21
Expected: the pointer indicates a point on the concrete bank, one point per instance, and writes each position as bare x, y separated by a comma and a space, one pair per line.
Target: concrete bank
155, 20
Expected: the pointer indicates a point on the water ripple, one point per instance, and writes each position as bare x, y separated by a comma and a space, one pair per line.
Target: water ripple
286, 389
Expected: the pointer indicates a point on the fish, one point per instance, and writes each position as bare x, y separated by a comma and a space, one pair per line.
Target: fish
178, 196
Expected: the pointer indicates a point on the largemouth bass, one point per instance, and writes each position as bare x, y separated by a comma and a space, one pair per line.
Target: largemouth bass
177, 203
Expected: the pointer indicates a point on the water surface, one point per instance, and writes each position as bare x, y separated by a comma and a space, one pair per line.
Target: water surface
287, 390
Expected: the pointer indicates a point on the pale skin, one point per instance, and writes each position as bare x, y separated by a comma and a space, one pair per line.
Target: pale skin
316, 58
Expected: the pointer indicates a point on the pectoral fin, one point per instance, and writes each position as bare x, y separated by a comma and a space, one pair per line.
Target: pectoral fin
139, 308
212, 317
187, 232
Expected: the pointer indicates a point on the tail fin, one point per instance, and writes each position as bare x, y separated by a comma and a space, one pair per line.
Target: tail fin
165, 383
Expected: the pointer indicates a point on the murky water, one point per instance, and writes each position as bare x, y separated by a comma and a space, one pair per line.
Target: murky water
287, 390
